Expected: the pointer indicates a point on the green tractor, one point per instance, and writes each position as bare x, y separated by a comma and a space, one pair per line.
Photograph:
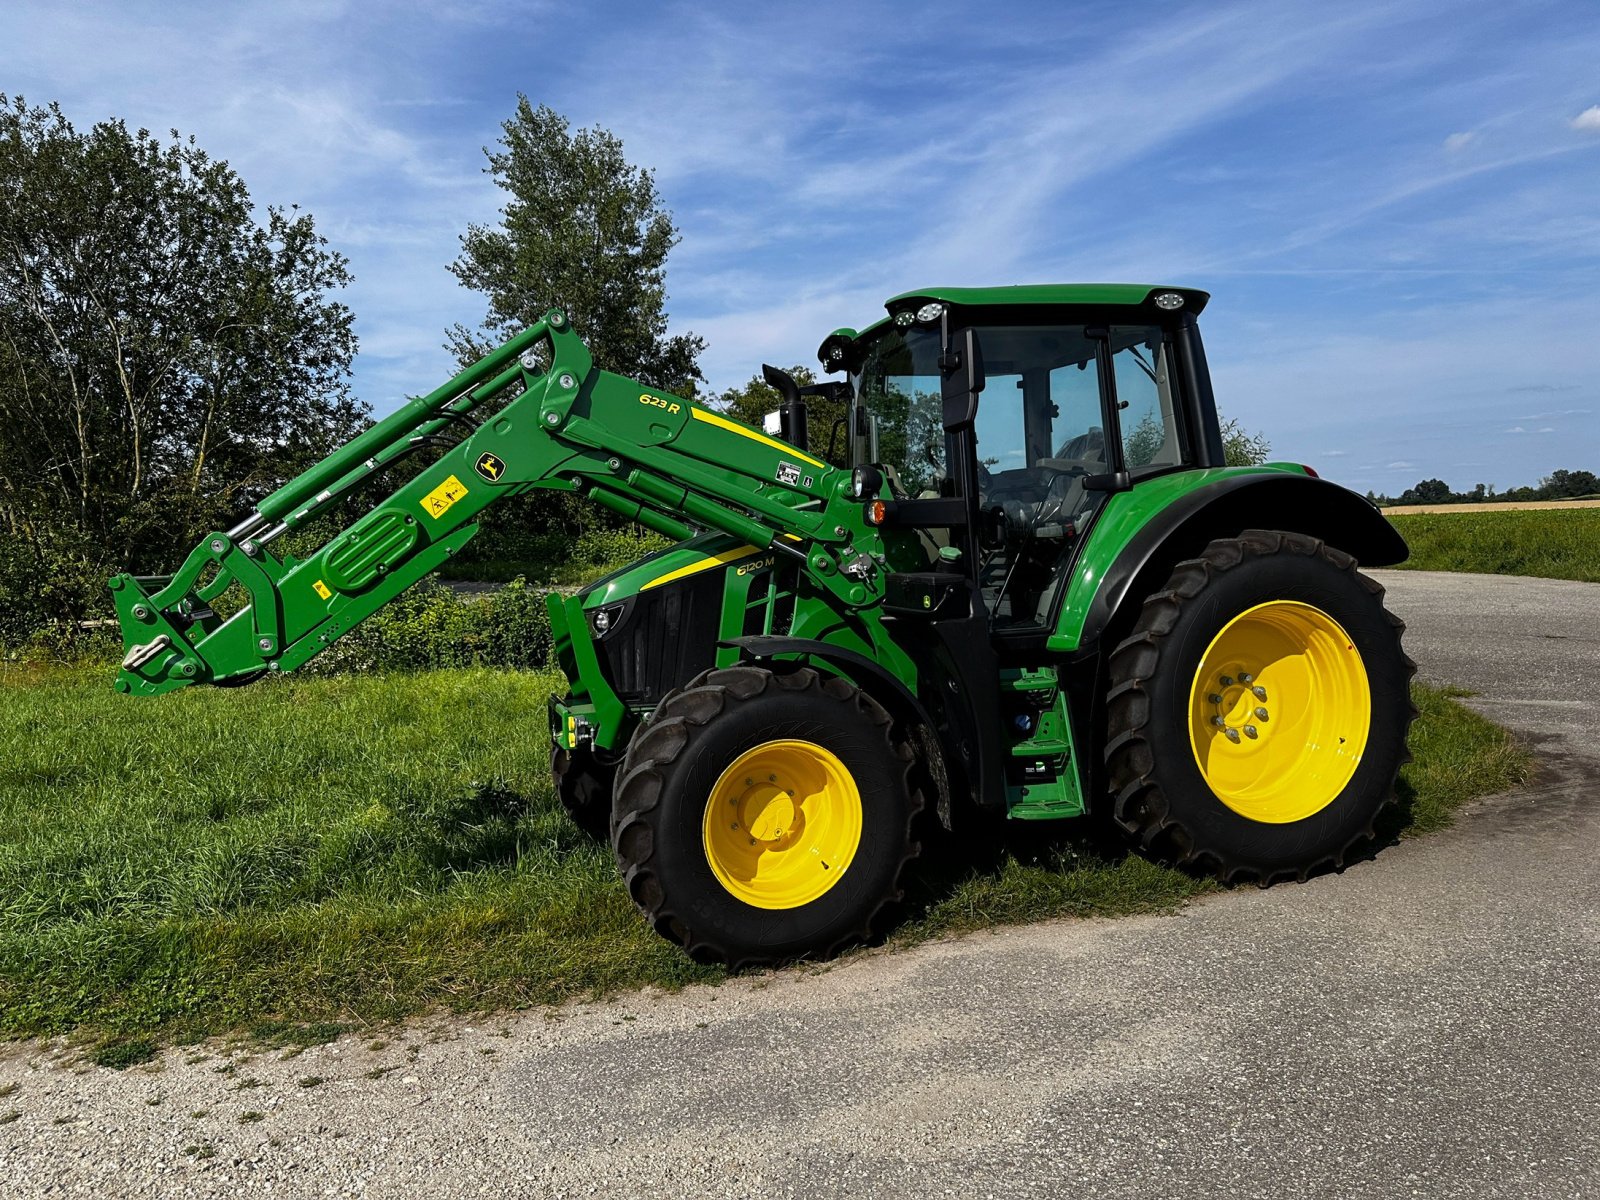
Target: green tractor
1032, 590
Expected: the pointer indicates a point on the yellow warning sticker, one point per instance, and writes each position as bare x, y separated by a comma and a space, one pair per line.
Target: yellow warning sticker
437, 502
322, 590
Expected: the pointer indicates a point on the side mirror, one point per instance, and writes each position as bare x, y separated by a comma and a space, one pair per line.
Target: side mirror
961, 366
1114, 481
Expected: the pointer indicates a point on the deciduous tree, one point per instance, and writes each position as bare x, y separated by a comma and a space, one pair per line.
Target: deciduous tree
164, 354
584, 229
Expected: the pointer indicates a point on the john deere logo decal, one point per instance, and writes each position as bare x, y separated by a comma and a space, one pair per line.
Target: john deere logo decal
491, 467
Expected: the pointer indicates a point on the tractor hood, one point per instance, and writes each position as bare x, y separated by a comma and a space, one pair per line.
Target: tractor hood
705, 552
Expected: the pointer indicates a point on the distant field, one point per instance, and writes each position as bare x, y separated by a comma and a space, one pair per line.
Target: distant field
1401, 510
318, 853
1554, 543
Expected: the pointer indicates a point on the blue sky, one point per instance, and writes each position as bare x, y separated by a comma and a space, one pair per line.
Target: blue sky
1395, 205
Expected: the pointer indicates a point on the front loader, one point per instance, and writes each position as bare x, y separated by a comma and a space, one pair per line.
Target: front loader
1035, 592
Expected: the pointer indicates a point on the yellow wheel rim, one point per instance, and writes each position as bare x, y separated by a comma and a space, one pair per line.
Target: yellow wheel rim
1279, 712
782, 824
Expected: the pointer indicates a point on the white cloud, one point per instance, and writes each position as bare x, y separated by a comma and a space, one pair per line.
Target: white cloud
1516, 429
1334, 453
1546, 429
1459, 141
1588, 120
1401, 466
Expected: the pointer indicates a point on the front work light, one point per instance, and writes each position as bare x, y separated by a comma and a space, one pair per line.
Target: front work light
864, 482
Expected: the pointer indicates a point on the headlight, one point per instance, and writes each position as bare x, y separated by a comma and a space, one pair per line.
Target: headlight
604, 620
930, 312
865, 481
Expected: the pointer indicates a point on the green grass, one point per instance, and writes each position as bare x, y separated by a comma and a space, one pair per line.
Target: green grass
1456, 755
310, 854
1552, 543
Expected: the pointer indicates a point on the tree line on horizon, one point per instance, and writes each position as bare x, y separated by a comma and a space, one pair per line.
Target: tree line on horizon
1558, 485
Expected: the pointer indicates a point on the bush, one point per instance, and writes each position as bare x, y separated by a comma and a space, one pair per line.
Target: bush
47, 588
428, 627
432, 626
608, 549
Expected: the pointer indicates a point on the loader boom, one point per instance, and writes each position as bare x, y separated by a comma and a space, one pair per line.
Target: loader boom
509, 425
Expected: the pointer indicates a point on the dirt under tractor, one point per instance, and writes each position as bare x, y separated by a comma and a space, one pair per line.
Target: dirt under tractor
1015, 579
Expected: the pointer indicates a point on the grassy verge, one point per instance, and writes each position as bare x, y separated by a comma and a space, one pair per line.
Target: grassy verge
354, 849
1552, 543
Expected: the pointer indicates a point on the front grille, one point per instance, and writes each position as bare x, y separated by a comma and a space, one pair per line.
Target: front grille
664, 637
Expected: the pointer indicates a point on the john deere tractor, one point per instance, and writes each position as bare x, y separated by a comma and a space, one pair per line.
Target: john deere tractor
1031, 589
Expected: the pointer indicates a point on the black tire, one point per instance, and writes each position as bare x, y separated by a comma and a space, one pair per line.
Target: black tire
584, 785
1160, 795
674, 762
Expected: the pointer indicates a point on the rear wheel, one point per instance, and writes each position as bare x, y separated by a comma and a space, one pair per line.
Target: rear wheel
763, 816
1257, 716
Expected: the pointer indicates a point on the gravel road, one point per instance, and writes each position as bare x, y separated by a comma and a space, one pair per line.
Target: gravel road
1422, 1024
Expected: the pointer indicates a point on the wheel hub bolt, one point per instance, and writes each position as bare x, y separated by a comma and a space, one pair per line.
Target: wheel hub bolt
1250, 731
1227, 681
1262, 713
1214, 698
1219, 722
1259, 692
1233, 736
1246, 678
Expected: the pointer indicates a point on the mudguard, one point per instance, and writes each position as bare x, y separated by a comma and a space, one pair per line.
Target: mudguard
1225, 507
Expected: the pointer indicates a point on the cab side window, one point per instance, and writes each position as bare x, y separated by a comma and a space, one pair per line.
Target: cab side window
1142, 362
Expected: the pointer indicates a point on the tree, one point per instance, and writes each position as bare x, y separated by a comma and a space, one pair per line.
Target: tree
1240, 447
1429, 491
1143, 442
583, 229
163, 357
1568, 485
829, 439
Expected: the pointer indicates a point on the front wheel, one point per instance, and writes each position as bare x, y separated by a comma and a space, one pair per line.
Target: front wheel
763, 816
583, 783
1257, 716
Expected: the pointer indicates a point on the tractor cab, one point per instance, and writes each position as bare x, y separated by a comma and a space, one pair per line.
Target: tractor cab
1004, 418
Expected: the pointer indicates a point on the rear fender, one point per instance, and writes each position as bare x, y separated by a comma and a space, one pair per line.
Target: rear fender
1225, 508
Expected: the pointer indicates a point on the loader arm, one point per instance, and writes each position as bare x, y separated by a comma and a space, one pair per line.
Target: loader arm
654, 457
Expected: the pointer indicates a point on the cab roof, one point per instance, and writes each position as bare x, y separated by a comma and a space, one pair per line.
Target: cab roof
1133, 294
1096, 295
